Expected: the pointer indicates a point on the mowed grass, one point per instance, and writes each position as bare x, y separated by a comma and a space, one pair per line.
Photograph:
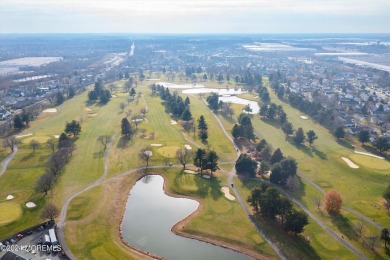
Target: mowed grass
361, 188
10, 212
322, 245
19, 181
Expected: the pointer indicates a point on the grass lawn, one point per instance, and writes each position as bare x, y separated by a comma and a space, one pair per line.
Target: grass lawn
10, 212
361, 188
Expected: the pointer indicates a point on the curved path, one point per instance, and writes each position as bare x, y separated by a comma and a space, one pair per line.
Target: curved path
232, 173
379, 227
6, 161
61, 222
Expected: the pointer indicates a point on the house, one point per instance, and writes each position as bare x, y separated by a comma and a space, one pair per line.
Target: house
4, 114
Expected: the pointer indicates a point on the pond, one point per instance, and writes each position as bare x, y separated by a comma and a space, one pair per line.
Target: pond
236, 100
149, 217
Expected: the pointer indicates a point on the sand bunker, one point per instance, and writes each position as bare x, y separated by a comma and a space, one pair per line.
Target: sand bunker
226, 191
156, 145
30, 205
92, 115
113, 96
50, 110
206, 176
188, 147
20, 136
304, 117
369, 154
10, 197
137, 120
57, 136
190, 171
148, 153
350, 163
87, 109
173, 122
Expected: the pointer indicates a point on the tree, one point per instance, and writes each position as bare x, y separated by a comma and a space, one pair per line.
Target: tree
45, 183
186, 116
71, 92
145, 154
64, 141
248, 109
202, 128
299, 136
364, 136
385, 236
212, 161
57, 161
277, 156
10, 142
287, 128
26, 117
236, 131
34, 145
73, 128
382, 144
200, 159
122, 106
184, 156
50, 211
311, 136
333, 202
246, 165
18, 122
213, 101
187, 102
132, 92
105, 96
59, 98
126, 128
51, 144
339, 132
264, 167
92, 95
296, 221
359, 228
104, 140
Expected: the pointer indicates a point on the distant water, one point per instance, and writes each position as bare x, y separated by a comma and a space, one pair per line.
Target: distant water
149, 217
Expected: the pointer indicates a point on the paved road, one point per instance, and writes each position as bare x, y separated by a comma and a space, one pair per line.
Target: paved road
6, 161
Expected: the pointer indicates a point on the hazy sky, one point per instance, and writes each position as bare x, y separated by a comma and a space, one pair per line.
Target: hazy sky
200, 16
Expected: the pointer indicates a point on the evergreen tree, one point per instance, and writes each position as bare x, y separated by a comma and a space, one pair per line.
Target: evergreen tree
339, 132
132, 92
287, 128
277, 156
18, 122
311, 136
126, 128
299, 137
364, 136
186, 116
246, 165
212, 161
296, 221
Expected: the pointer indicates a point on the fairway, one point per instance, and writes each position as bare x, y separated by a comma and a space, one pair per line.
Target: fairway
9, 212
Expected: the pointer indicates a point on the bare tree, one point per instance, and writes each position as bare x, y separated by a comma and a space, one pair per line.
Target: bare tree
122, 106
137, 120
128, 113
359, 228
184, 156
51, 144
10, 142
34, 145
50, 211
145, 155
371, 240
143, 133
45, 183
104, 140
187, 125
318, 202
152, 135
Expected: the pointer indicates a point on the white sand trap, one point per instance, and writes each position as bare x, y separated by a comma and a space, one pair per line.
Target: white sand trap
57, 136
369, 154
188, 147
137, 120
20, 136
156, 145
113, 96
10, 197
350, 163
190, 171
87, 109
226, 191
206, 176
148, 153
30, 205
50, 110
173, 122
92, 115
304, 117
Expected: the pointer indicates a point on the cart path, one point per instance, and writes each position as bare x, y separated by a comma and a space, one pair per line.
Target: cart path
7, 160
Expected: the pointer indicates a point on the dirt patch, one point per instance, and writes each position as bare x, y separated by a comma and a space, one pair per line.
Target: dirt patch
226, 191
350, 163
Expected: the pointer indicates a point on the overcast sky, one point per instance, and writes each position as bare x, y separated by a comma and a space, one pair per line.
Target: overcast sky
200, 16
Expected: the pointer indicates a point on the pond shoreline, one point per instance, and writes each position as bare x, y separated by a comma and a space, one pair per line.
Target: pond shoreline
177, 229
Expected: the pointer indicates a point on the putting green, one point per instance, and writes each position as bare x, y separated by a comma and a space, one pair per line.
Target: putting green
9, 212
370, 162
168, 151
